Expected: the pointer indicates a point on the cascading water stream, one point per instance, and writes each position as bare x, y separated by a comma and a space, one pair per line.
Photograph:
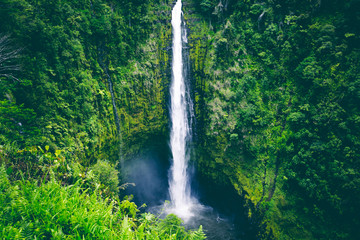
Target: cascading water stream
179, 188
182, 203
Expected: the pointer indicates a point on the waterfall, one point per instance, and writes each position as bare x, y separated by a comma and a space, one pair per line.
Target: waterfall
179, 188
105, 68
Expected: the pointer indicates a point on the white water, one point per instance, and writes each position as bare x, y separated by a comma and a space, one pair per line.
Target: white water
179, 188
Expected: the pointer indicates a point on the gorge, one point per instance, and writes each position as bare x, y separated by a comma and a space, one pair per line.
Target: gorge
148, 173
268, 136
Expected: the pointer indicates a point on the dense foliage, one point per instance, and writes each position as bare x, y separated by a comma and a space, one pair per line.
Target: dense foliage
87, 70
277, 93
51, 211
81, 86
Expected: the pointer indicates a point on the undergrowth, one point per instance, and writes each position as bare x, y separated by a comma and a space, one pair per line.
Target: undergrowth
32, 209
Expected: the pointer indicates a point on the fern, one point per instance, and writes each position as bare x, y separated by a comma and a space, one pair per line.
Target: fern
51, 211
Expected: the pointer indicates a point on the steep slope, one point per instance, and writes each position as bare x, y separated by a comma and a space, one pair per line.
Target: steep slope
80, 82
89, 69
275, 86
276, 89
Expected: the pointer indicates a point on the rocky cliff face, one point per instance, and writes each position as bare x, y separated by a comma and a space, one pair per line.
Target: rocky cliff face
274, 84
271, 84
81, 62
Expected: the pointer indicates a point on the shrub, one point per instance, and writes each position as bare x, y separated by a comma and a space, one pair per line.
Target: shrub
52, 211
107, 176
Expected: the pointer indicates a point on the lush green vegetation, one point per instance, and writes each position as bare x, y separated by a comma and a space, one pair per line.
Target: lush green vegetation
52, 211
80, 81
277, 93
73, 55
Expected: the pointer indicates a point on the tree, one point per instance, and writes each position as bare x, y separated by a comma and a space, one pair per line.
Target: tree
8, 56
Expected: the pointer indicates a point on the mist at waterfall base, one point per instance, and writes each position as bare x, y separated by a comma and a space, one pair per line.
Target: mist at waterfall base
220, 210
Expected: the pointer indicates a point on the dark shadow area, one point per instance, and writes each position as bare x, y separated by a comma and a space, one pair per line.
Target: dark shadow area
149, 171
227, 204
